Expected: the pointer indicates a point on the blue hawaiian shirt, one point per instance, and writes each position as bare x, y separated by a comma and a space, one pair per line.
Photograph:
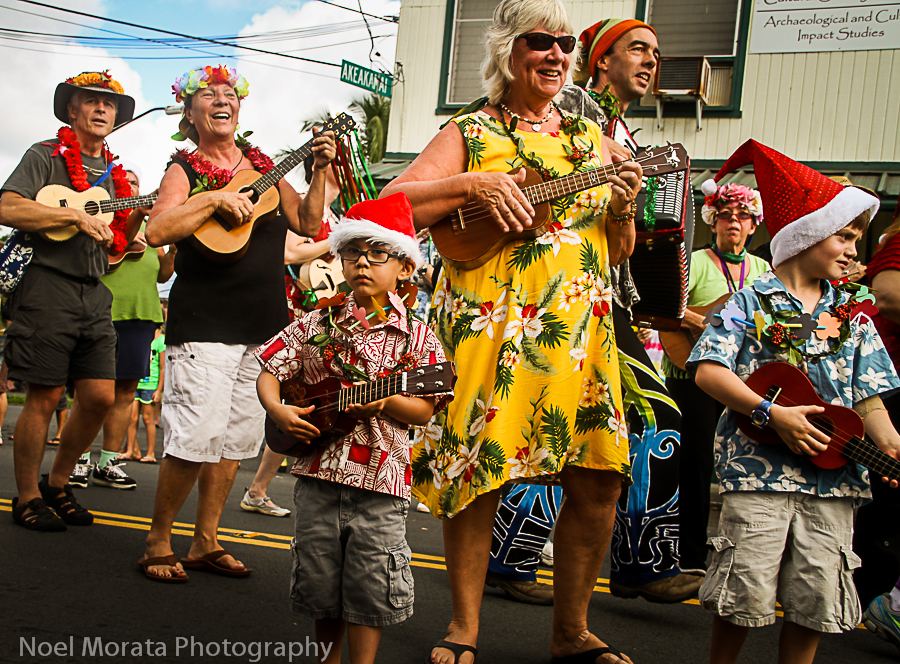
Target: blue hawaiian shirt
860, 369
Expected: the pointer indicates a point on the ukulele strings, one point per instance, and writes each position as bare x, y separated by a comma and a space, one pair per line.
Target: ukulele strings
864, 448
334, 403
481, 214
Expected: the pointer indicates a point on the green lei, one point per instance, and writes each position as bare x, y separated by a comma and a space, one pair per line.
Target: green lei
607, 101
792, 340
578, 151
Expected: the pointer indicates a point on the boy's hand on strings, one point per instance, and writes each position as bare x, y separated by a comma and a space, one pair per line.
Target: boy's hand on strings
798, 433
290, 420
372, 409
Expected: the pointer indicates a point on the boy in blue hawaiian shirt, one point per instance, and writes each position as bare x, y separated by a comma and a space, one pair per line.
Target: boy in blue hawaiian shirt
786, 526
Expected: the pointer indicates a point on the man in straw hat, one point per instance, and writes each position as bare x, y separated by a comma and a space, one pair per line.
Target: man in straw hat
61, 327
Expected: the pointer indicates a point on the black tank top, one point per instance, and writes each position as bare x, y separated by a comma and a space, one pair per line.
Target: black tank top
235, 303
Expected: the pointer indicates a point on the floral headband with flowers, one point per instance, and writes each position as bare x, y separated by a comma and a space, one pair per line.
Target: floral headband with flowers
197, 79
731, 193
96, 79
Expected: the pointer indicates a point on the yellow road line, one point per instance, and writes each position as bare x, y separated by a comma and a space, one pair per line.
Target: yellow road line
249, 537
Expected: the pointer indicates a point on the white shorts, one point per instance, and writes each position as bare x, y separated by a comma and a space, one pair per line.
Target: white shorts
784, 546
210, 408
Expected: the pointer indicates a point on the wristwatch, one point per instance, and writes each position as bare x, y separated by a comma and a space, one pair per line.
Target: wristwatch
760, 415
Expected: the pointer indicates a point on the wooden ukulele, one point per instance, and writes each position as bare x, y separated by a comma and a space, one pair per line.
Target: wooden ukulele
679, 343
323, 277
94, 201
133, 252
225, 240
469, 237
785, 385
332, 396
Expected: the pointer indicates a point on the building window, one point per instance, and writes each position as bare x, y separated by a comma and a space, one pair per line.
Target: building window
467, 21
715, 29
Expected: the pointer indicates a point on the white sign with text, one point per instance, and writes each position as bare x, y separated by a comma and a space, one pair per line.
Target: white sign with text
812, 26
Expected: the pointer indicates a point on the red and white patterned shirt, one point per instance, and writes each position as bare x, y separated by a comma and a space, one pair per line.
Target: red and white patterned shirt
375, 456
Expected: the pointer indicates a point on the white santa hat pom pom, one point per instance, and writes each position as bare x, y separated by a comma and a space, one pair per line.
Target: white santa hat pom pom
709, 187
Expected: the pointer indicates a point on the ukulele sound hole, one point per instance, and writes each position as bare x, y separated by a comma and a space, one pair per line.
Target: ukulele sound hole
92, 208
254, 196
824, 425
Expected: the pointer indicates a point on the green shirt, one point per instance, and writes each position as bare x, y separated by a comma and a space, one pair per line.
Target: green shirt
151, 382
707, 284
133, 286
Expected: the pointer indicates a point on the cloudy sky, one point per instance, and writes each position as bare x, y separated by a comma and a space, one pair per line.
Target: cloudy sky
283, 92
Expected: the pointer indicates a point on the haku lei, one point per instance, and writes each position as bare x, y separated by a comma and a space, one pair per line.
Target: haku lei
70, 150
97, 79
210, 177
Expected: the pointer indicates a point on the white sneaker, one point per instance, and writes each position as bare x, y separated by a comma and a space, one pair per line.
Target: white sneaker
81, 474
547, 554
262, 505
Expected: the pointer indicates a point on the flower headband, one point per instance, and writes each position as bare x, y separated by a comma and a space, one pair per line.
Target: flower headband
731, 193
97, 79
197, 79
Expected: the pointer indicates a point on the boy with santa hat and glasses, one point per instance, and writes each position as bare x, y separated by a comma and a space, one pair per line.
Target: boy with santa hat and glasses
786, 526
351, 559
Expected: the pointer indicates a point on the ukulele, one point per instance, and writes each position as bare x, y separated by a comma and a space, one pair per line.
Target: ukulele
785, 385
94, 201
679, 343
323, 277
469, 237
331, 397
133, 252
225, 240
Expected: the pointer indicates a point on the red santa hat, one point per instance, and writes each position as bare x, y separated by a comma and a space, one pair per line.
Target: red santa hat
387, 221
803, 207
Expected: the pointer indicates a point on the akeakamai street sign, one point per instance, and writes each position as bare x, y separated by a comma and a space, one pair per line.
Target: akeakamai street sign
374, 81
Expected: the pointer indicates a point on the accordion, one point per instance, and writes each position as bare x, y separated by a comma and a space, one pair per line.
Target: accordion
664, 223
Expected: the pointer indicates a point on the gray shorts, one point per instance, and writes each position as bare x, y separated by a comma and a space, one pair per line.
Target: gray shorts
61, 329
350, 556
788, 547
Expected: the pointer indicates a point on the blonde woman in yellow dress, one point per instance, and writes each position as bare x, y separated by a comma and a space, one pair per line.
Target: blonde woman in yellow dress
538, 396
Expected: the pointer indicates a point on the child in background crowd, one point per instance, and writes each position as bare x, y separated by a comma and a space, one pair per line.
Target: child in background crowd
146, 397
351, 560
786, 526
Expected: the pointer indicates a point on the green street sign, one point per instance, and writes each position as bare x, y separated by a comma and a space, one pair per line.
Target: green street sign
368, 79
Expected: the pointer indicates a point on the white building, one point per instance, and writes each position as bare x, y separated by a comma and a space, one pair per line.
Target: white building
830, 98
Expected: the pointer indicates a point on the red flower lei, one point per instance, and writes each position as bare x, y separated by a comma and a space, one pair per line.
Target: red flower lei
216, 177
70, 150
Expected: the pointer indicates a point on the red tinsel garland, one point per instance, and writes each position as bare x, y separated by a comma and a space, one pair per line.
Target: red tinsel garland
70, 150
216, 177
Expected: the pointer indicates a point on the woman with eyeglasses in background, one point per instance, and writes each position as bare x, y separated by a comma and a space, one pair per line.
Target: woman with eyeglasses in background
734, 212
538, 395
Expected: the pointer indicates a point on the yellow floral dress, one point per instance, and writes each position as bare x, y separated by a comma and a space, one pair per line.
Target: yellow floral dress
531, 333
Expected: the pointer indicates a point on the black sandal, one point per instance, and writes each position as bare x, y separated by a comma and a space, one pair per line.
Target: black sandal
458, 650
41, 517
65, 505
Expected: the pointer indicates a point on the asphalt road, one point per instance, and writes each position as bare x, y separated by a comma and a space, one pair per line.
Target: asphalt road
79, 596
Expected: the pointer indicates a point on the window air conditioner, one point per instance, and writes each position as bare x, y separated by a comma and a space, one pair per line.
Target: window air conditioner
681, 79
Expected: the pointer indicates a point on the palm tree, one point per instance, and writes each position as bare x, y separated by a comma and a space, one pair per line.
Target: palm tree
376, 111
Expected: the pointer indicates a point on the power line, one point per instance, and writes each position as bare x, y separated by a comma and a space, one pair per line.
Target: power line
179, 34
389, 19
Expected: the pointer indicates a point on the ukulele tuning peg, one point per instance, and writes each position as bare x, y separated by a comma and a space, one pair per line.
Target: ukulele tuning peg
438, 383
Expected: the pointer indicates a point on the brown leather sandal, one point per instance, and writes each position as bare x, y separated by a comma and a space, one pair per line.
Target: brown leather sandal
147, 563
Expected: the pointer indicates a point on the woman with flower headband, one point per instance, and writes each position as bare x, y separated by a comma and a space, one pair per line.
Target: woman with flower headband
61, 326
218, 314
734, 212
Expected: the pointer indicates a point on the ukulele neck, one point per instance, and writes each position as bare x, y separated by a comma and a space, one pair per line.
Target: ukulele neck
553, 189
116, 204
867, 454
283, 168
376, 390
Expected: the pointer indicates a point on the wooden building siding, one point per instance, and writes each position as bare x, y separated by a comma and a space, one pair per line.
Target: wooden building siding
817, 107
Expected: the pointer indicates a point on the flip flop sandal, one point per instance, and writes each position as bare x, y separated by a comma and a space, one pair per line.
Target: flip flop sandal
169, 560
587, 657
458, 650
53, 441
41, 517
146, 460
65, 504
208, 564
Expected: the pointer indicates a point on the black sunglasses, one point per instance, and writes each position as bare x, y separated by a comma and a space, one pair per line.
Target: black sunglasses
541, 41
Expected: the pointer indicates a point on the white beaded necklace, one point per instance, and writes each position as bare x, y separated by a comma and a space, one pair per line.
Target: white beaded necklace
535, 124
